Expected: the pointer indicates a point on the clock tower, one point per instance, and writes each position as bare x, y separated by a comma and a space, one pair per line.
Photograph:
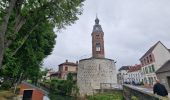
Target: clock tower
97, 40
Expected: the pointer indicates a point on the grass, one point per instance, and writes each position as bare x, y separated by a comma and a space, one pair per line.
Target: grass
116, 95
6, 95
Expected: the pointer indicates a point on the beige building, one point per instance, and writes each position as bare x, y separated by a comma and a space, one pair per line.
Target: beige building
64, 69
152, 60
67, 67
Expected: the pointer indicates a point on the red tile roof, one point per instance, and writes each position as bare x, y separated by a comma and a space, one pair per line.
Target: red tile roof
68, 63
135, 68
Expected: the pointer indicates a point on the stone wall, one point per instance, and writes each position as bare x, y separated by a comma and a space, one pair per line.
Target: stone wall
163, 77
95, 74
129, 93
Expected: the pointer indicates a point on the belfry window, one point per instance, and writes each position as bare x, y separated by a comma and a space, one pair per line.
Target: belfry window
97, 46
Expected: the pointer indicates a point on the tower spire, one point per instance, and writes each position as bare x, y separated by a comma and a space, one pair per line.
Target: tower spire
96, 16
96, 20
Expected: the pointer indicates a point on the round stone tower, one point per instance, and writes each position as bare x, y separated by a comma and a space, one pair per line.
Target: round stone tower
96, 73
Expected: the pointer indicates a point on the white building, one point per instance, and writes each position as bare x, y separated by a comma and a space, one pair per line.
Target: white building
122, 76
152, 60
135, 74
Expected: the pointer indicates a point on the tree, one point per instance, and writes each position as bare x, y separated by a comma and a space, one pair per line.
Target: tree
25, 64
18, 15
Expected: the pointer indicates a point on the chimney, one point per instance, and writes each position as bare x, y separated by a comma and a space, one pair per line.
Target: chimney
66, 60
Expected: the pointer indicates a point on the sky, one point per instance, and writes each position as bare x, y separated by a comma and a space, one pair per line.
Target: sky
130, 28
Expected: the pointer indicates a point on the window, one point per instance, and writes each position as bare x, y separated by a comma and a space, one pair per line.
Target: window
147, 59
66, 68
97, 46
97, 36
153, 69
143, 70
150, 69
142, 62
150, 57
146, 70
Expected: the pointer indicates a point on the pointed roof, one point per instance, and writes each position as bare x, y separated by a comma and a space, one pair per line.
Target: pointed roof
97, 21
152, 48
164, 68
97, 27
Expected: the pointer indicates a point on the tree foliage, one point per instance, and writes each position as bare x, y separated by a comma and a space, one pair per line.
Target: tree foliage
27, 36
19, 15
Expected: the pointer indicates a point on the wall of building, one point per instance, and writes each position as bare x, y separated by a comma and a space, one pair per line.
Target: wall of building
135, 76
163, 77
95, 74
122, 76
161, 55
65, 69
36, 95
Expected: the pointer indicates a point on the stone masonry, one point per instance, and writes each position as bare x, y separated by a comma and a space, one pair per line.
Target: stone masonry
94, 74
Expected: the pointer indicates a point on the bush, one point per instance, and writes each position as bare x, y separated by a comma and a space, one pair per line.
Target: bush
5, 85
134, 98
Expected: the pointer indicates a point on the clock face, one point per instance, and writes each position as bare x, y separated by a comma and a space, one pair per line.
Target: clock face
97, 28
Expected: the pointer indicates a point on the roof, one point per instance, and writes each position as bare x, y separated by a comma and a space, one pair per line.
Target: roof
152, 48
135, 68
68, 63
92, 58
55, 74
164, 68
34, 87
124, 68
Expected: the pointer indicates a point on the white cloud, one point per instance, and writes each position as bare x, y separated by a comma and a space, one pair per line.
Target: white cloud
131, 27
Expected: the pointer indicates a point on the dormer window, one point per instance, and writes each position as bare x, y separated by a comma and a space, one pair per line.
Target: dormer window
98, 46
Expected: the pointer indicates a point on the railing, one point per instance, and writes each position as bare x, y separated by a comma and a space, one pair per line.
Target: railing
130, 92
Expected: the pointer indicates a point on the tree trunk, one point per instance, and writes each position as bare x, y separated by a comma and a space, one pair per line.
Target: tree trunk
24, 39
20, 21
3, 28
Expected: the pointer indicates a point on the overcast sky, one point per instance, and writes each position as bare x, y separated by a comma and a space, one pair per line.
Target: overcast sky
130, 28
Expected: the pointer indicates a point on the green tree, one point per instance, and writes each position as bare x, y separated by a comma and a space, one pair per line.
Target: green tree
25, 64
18, 15
26, 34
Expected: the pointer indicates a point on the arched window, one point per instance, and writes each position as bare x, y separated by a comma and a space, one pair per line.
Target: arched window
97, 46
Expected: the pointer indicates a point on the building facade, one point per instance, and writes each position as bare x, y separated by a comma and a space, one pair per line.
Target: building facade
163, 75
152, 60
97, 72
64, 69
135, 74
123, 74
